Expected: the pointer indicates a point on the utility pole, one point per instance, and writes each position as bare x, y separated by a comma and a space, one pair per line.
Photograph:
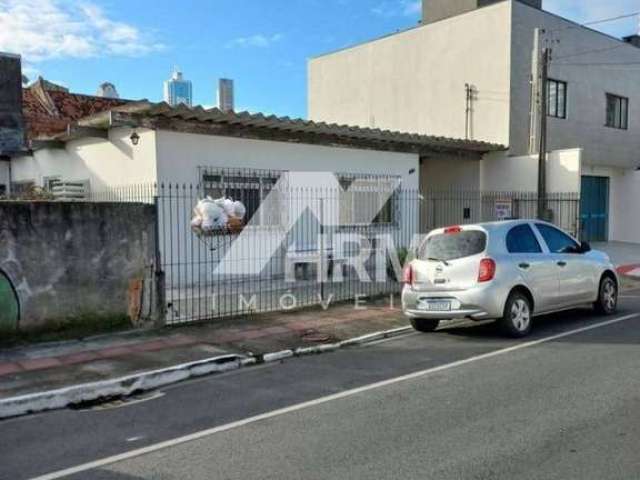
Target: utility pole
534, 113
468, 119
466, 112
467, 88
542, 158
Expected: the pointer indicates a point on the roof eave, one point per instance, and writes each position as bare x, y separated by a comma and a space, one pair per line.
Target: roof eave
258, 126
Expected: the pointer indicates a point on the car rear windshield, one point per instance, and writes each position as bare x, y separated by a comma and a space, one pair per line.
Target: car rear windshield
451, 246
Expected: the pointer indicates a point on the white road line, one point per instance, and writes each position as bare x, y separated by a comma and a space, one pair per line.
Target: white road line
318, 401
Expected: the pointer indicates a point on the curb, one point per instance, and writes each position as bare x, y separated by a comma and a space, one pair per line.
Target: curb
118, 387
151, 380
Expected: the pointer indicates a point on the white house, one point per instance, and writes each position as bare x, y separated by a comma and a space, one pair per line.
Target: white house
470, 71
109, 149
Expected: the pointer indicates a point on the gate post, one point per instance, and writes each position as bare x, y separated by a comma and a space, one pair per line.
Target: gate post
158, 312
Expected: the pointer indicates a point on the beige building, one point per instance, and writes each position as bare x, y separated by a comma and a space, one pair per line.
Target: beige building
467, 72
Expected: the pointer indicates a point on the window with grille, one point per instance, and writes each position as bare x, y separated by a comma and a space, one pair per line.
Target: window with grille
365, 198
251, 187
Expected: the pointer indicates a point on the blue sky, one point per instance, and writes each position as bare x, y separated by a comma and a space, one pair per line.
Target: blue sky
262, 44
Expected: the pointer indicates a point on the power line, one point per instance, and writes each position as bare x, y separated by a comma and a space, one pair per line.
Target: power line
598, 64
595, 22
595, 50
612, 19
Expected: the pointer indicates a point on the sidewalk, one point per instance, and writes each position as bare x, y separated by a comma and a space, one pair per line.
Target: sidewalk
38, 368
626, 257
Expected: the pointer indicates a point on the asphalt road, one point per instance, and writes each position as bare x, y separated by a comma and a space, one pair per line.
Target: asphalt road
463, 403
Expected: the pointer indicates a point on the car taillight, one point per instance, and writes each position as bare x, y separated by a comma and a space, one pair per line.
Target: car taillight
452, 230
408, 275
487, 270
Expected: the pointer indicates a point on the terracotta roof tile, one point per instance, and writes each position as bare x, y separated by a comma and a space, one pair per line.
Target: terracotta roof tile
48, 112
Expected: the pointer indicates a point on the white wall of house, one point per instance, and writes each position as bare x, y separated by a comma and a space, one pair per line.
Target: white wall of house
587, 86
500, 172
106, 164
624, 216
180, 155
414, 81
446, 172
624, 197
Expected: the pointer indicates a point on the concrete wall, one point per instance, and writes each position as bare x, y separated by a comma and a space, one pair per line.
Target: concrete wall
502, 173
11, 119
446, 172
587, 87
414, 81
75, 262
436, 10
623, 211
105, 164
4, 175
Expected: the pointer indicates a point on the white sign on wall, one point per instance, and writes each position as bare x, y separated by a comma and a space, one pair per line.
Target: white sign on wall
503, 209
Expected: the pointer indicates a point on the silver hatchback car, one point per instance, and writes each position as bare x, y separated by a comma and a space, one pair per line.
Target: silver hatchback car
510, 271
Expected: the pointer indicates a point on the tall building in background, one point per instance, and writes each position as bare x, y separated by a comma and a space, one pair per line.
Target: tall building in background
177, 90
226, 95
107, 90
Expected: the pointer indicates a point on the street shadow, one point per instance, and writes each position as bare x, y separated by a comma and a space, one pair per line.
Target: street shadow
104, 475
554, 324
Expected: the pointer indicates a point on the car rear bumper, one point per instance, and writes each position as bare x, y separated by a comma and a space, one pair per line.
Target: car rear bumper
484, 302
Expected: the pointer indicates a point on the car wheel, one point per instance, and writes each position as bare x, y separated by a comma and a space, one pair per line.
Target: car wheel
607, 302
424, 325
516, 321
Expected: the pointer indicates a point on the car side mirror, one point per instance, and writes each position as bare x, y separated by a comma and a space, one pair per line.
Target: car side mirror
585, 247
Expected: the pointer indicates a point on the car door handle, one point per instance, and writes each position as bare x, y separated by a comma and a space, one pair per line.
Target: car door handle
562, 264
524, 266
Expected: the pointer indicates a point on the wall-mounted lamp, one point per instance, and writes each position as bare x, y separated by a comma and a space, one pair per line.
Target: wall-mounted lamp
412, 171
135, 138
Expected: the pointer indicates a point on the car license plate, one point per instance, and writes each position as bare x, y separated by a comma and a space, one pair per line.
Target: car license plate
435, 305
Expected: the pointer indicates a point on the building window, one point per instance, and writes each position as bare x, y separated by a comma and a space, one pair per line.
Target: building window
617, 111
50, 183
361, 198
557, 98
251, 187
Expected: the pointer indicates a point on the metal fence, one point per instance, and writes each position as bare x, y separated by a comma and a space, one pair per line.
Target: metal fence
455, 207
302, 247
306, 246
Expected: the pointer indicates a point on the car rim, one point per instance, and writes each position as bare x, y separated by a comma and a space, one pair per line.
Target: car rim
609, 295
520, 315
